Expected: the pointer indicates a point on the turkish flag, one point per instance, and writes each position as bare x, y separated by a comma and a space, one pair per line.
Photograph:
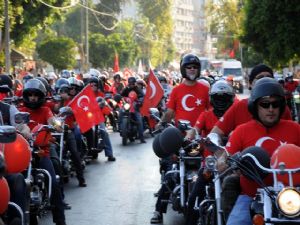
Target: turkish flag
154, 93
231, 54
116, 63
86, 109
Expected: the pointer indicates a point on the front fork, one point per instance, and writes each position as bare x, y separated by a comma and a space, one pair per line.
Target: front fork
218, 189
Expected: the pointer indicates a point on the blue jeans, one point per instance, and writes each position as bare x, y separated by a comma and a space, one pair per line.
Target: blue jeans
107, 144
240, 213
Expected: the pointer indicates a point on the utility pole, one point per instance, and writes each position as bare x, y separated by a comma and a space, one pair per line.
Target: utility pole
7, 39
87, 36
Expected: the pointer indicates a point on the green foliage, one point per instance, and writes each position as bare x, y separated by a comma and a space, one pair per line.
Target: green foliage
159, 48
225, 18
272, 29
103, 49
59, 52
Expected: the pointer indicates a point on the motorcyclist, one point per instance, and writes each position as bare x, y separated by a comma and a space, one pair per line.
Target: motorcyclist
75, 86
222, 96
117, 85
238, 113
71, 144
132, 86
266, 104
16, 181
91, 135
187, 101
6, 86
290, 85
106, 110
34, 97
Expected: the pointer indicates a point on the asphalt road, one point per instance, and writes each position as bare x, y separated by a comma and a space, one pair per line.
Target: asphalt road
118, 192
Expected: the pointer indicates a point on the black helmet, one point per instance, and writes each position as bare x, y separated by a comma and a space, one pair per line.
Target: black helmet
61, 83
117, 76
221, 97
162, 79
265, 87
187, 60
37, 87
131, 80
6, 83
93, 80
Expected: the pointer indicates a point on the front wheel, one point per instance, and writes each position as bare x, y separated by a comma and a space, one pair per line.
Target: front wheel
124, 131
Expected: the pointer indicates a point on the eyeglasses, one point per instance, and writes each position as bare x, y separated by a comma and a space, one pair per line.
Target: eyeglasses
192, 67
266, 105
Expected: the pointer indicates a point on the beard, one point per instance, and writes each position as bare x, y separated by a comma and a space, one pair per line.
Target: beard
191, 77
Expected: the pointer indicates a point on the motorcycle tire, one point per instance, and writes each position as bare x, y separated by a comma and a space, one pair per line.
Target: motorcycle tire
34, 219
95, 156
124, 132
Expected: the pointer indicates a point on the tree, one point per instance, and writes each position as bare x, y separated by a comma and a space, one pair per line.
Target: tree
159, 13
59, 52
103, 49
225, 19
272, 29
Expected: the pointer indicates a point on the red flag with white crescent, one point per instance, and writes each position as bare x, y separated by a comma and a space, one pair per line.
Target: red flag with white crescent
154, 93
116, 63
86, 109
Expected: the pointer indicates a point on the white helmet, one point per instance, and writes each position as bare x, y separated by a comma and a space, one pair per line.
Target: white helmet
221, 87
51, 76
94, 73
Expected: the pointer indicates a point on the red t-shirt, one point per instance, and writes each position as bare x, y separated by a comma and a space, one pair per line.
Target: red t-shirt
238, 114
38, 116
290, 87
254, 133
206, 122
189, 101
70, 120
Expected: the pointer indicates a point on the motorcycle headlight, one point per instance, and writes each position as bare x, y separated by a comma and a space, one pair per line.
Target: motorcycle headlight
57, 122
288, 201
126, 106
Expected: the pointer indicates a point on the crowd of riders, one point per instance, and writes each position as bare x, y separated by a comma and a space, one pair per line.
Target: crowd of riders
210, 106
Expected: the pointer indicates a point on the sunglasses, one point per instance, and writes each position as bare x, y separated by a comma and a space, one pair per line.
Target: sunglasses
192, 67
266, 105
64, 91
33, 94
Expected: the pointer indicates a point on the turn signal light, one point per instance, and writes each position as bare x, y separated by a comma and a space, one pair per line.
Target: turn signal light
258, 219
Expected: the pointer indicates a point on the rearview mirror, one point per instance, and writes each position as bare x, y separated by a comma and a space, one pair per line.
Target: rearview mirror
8, 134
22, 118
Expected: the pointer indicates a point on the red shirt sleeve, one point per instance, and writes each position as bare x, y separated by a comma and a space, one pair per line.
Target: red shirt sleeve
235, 143
226, 122
106, 110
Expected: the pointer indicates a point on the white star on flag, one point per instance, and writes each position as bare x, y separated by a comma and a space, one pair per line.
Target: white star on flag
86, 108
198, 102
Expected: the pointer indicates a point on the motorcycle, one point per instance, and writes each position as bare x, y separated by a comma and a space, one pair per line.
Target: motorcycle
114, 115
277, 203
183, 171
129, 130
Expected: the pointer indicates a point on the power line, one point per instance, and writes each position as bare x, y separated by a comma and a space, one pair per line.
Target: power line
103, 26
97, 12
62, 7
